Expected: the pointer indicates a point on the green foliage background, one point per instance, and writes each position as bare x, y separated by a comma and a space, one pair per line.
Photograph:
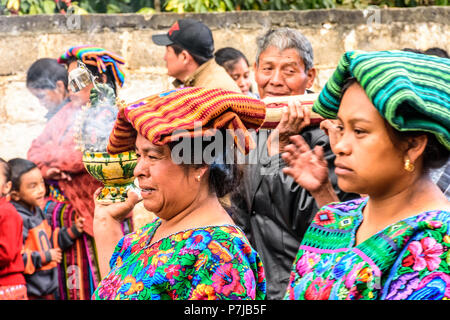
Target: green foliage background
20, 7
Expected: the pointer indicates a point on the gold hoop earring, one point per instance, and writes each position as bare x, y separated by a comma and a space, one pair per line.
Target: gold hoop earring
409, 166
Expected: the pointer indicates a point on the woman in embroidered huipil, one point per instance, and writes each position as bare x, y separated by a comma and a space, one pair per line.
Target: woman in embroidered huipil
392, 113
193, 249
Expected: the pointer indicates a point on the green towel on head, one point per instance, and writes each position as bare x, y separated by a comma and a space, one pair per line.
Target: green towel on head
411, 91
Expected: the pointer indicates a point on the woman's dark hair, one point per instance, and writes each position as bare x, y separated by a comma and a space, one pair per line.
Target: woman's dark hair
227, 57
18, 168
435, 154
44, 73
197, 58
109, 75
438, 52
412, 50
6, 169
347, 84
224, 173
434, 51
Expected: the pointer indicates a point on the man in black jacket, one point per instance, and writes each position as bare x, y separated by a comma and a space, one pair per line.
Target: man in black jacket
269, 206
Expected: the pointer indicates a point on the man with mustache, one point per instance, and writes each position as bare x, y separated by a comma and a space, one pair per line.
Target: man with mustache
271, 208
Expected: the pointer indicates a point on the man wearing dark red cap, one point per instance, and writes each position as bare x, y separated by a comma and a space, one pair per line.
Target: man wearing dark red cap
189, 56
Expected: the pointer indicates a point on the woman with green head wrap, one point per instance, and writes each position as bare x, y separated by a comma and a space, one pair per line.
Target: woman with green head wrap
392, 112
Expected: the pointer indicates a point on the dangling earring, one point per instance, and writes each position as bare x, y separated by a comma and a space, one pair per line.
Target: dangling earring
409, 166
198, 178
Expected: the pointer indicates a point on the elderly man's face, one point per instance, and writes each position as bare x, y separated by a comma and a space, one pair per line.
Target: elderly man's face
282, 73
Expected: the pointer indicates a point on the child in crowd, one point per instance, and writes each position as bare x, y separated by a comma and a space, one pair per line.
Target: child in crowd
42, 246
12, 281
237, 66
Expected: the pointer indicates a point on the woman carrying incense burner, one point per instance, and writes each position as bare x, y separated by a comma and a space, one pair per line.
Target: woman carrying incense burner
193, 249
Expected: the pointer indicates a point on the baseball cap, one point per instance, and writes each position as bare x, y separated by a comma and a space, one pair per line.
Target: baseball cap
192, 35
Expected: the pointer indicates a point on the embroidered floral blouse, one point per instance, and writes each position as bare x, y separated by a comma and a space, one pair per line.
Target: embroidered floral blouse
408, 260
214, 262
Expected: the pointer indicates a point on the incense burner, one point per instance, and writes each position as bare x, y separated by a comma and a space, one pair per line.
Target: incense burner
114, 171
93, 126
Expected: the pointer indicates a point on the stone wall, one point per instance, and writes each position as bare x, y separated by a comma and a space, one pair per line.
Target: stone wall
331, 32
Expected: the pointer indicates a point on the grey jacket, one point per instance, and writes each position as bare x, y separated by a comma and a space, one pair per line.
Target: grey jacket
274, 211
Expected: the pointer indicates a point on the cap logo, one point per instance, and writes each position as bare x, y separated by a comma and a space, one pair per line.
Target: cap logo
173, 28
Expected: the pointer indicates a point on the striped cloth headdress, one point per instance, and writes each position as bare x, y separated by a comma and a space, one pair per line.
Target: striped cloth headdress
411, 91
97, 57
159, 117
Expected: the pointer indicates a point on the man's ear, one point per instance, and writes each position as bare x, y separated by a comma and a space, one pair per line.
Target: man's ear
311, 76
186, 57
